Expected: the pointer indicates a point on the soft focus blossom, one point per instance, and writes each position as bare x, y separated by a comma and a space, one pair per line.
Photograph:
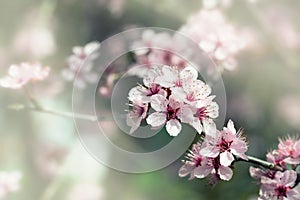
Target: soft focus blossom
80, 65
20, 75
215, 36
9, 182
157, 49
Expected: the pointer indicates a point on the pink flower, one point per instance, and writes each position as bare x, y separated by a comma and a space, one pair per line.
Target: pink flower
169, 112
290, 148
9, 182
81, 64
137, 114
281, 187
20, 75
257, 173
196, 164
225, 144
200, 166
156, 49
215, 36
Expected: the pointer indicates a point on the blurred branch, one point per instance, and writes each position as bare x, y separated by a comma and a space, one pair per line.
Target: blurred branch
92, 118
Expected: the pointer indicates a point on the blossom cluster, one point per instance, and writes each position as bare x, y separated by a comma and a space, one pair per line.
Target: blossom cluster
215, 155
215, 36
170, 96
156, 49
280, 184
80, 65
19, 75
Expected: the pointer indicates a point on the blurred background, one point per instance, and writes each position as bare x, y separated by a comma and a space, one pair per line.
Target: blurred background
263, 94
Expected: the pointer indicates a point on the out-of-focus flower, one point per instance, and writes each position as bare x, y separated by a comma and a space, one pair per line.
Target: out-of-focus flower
215, 36
157, 49
86, 191
20, 75
80, 65
49, 158
281, 187
285, 31
35, 37
36, 41
9, 182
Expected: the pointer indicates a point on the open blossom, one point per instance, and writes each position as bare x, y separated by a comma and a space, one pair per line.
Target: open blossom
177, 97
281, 187
199, 166
169, 112
215, 36
9, 182
214, 155
137, 114
226, 144
80, 65
20, 75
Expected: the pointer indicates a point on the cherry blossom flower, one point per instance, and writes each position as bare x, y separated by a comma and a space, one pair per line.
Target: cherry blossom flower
9, 182
137, 114
290, 148
157, 49
199, 166
225, 144
215, 36
196, 164
169, 112
20, 75
81, 64
281, 187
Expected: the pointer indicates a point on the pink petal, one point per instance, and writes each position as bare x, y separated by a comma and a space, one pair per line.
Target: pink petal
225, 173
209, 151
230, 126
159, 102
202, 171
173, 127
156, 119
185, 170
226, 158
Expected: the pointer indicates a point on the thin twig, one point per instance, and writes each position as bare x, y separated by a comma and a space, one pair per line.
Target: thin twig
262, 163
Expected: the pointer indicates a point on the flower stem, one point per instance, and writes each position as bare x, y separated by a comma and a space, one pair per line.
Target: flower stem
261, 163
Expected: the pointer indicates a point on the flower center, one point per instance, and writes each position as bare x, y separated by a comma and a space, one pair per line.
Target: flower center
281, 191
198, 161
201, 114
171, 113
224, 145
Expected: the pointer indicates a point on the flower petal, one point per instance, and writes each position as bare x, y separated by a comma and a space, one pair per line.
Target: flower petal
173, 127
226, 158
156, 119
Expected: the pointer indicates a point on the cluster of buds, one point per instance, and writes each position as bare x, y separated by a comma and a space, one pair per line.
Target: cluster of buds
171, 96
282, 183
